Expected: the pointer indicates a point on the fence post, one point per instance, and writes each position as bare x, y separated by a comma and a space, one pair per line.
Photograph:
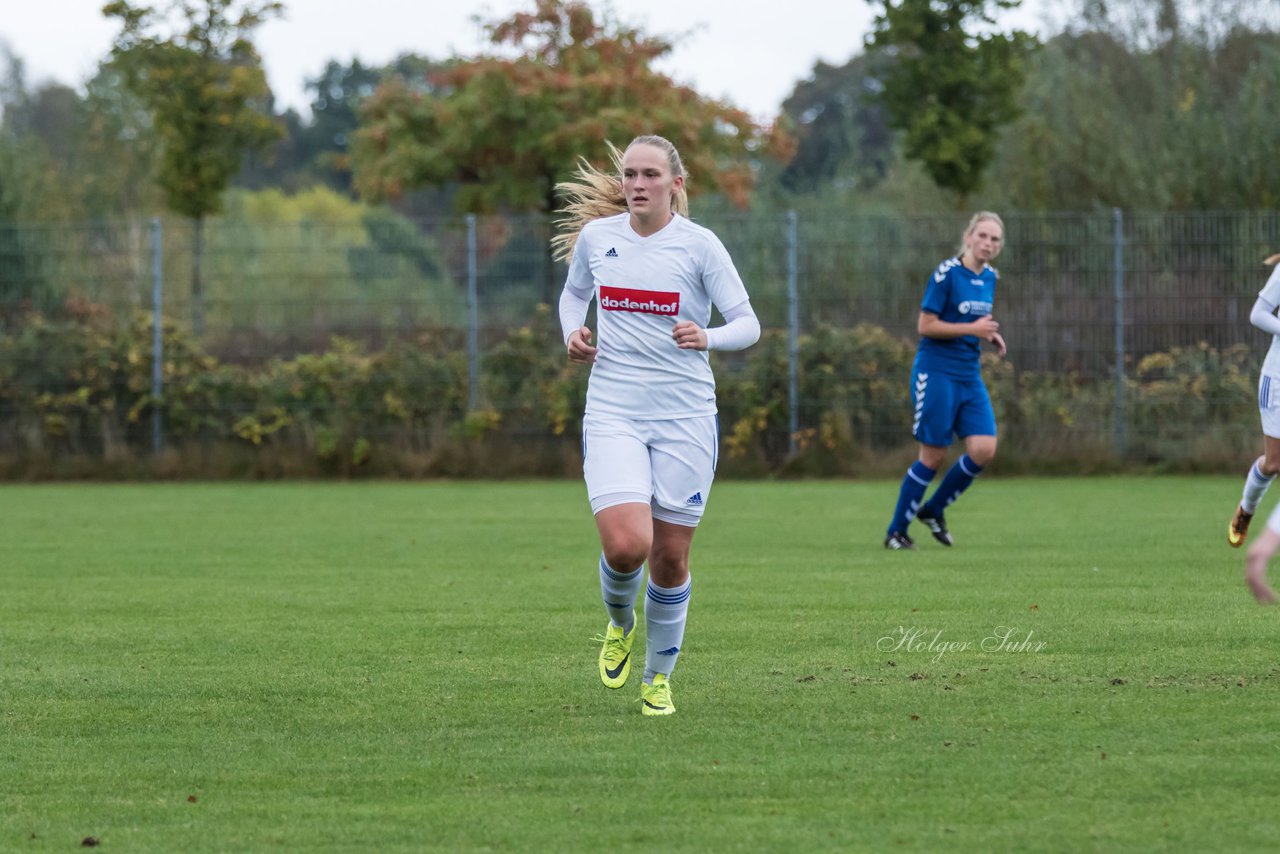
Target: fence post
793, 334
157, 338
473, 319
1117, 217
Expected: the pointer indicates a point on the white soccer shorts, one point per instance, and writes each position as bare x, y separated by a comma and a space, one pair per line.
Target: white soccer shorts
1269, 405
667, 464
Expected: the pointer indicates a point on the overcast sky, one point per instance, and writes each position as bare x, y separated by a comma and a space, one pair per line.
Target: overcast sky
749, 59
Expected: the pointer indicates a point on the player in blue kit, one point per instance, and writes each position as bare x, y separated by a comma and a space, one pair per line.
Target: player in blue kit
947, 391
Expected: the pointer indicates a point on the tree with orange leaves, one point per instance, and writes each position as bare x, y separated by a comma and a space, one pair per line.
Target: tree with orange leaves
506, 127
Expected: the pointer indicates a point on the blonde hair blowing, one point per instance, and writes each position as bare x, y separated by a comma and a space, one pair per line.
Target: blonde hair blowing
980, 216
594, 194
1272, 259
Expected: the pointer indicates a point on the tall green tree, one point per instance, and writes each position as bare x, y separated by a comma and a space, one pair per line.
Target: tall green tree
87, 155
194, 66
337, 96
954, 84
22, 276
842, 131
1166, 108
28, 180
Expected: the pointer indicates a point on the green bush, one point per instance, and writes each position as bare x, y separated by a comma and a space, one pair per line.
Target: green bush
75, 397
852, 395
1194, 406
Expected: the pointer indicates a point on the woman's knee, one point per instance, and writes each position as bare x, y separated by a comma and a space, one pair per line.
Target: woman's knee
669, 555
981, 450
624, 552
983, 457
626, 533
932, 456
1269, 465
625, 547
669, 560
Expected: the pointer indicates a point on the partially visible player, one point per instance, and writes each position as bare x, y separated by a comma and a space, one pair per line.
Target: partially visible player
649, 433
1257, 558
1264, 469
947, 391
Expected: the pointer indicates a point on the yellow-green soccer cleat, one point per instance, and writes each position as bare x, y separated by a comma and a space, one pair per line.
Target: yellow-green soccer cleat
655, 699
615, 655
1238, 528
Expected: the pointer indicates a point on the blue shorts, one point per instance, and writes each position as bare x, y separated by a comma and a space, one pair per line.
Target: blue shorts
945, 406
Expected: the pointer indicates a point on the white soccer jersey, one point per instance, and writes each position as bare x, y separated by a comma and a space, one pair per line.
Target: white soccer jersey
643, 286
1271, 293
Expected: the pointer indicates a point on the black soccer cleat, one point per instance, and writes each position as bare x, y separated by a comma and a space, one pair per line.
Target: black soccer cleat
936, 525
899, 540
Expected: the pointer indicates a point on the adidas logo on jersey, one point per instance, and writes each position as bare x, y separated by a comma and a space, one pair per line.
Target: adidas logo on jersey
695, 499
612, 253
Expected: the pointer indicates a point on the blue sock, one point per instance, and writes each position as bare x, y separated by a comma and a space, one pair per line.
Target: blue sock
914, 484
956, 481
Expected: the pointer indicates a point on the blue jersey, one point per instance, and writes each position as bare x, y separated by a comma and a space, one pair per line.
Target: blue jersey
956, 295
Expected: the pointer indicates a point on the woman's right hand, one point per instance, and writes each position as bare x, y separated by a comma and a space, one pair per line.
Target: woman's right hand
580, 350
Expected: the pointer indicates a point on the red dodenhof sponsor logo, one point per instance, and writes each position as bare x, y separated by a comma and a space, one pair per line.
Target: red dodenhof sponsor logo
645, 302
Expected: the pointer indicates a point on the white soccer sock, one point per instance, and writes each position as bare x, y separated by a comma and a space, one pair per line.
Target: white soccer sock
1255, 486
619, 591
665, 612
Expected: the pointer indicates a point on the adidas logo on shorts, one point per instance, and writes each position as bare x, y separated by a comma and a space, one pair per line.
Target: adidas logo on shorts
695, 499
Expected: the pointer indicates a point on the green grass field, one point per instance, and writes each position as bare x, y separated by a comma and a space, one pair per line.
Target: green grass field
408, 667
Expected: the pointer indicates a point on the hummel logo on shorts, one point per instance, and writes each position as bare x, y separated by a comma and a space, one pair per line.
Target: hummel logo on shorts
612, 253
695, 499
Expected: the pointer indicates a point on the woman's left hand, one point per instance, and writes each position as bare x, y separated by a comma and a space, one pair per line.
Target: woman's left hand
689, 336
999, 342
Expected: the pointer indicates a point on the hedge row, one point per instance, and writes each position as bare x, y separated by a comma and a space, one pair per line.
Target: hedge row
76, 400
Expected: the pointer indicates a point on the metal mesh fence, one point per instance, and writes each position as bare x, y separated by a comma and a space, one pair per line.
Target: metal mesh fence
1083, 299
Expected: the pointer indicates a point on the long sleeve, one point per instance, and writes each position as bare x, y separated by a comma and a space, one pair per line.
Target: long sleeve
740, 331
1264, 317
573, 311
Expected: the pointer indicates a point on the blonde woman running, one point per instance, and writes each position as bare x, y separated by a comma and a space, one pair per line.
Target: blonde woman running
649, 432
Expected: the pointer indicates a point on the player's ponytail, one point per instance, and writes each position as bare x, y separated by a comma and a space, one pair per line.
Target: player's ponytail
1272, 259
591, 195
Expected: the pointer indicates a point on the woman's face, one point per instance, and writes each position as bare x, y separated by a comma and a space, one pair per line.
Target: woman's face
984, 241
647, 182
